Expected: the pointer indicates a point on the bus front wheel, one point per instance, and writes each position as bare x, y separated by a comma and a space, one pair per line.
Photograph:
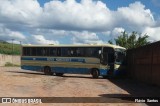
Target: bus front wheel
95, 73
47, 71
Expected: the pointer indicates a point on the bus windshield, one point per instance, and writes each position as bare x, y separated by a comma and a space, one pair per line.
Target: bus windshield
119, 56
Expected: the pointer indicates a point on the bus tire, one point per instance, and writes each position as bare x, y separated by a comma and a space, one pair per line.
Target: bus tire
95, 73
59, 74
47, 71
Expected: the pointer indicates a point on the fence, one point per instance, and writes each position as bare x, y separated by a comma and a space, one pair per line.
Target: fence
143, 63
8, 58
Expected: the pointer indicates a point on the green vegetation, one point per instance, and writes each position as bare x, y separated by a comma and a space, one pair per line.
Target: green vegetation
8, 64
6, 48
131, 41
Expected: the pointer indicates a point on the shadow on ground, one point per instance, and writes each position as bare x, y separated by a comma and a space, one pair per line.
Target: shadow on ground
135, 89
65, 76
74, 76
33, 73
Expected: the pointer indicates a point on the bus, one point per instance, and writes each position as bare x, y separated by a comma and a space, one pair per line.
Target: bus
94, 59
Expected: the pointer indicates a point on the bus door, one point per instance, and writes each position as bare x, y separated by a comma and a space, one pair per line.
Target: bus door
108, 59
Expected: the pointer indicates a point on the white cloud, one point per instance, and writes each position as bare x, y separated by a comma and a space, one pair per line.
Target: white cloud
86, 38
40, 39
51, 32
71, 15
117, 31
135, 17
14, 41
106, 33
7, 34
153, 32
24, 12
83, 20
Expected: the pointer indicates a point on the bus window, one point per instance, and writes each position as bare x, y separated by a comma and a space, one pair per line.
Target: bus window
92, 52
65, 52
120, 57
45, 51
73, 51
80, 52
59, 52
33, 51
108, 55
39, 51
52, 51
26, 51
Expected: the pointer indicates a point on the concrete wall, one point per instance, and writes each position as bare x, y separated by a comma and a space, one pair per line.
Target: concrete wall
8, 58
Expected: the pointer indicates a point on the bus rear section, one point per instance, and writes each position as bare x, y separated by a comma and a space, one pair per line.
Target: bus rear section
59, 60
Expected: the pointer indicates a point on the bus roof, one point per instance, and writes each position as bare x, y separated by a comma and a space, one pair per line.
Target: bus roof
75, 45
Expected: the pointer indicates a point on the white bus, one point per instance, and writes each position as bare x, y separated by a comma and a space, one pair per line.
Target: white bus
97, 60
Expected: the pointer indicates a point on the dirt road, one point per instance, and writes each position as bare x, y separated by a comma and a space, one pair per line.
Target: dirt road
15, 82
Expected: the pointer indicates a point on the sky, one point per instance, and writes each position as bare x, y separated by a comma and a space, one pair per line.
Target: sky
77, 21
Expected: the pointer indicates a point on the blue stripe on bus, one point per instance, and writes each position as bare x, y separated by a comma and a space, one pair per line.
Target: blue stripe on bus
78, 60
33, 68
29, 58
66, 70
55, 59
71, 70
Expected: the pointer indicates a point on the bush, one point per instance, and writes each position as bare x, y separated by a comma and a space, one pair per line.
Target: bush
8, 64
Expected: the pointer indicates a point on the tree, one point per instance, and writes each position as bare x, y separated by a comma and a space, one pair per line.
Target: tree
131, 41
122, 40
110, 42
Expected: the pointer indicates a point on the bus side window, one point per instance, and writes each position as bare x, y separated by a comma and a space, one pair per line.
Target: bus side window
108, 55
73, 52
80, 52
25, 51
28, 51
87, 52
92, 51
59, 52
39, 51
64, 51
46, 51
68, 53
52, 51
96, 52
33, 51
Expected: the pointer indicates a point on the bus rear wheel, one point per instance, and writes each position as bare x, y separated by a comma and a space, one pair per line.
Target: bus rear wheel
95, 73
47, 71
59, 74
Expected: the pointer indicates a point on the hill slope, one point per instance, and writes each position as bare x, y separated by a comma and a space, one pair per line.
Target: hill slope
6, 48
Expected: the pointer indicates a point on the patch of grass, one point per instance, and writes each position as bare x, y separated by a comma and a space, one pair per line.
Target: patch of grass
8, 64
6, 48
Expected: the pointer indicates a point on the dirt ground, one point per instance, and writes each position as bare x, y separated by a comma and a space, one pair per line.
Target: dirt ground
15, 82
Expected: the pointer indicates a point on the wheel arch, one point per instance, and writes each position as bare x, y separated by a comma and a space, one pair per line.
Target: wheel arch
92, 69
